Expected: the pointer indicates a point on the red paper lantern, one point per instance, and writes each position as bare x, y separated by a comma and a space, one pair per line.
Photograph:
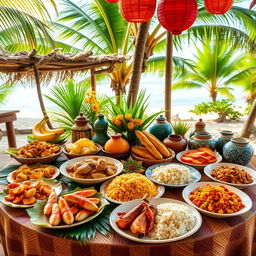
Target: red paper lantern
137, 10
218, 6
177, 15
112, 1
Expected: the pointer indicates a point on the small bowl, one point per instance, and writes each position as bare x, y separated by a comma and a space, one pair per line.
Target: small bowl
63, 170
121, 156
36, 160
71, 156
197, 166
149, 162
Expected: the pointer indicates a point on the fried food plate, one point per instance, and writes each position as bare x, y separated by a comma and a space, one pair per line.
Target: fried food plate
209, 169
63, 170
246, 200
126, 207
160, 189
54, 176
56, 185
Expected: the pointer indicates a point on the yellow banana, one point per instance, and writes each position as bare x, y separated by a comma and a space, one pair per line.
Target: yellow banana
39, 134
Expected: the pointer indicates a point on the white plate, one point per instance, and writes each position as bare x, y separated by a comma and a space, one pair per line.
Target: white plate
160, 189
130, 205
246, 200
209, 168
56, 185
55, 175
179, 155
64, 172
196, 175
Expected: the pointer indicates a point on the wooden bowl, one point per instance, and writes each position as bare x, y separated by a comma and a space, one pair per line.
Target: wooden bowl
121, 156
148, 162
36, 160
71, 156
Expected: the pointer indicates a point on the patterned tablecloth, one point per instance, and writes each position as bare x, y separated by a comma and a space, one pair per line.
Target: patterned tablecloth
216, 237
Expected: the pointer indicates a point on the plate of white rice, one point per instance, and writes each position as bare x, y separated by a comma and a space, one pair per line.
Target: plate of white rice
174, 221
173, 175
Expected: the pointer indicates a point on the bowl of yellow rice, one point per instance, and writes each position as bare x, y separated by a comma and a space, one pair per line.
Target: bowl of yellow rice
131, 186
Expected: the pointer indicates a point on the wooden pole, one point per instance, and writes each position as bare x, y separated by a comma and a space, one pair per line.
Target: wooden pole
40, 96
248, 126
168, 75
93, 80
138, 62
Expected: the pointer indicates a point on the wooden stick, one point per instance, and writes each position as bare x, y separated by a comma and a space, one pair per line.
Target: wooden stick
93, 80
40, 96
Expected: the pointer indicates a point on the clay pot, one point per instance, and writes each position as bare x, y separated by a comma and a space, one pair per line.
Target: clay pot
117, 144
175, 142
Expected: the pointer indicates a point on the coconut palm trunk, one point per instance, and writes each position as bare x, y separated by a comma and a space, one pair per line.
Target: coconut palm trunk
138, 62
248, 126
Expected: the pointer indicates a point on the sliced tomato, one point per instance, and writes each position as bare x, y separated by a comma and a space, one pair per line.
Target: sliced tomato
213, 160
198, 153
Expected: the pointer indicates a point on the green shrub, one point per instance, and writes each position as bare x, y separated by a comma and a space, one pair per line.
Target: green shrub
224, 108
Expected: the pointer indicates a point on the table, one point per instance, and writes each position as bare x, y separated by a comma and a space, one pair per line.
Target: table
217, 237
7, 117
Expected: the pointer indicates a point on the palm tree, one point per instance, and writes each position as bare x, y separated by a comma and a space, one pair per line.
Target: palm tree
4, 92
98, 26
215, 68
24, 22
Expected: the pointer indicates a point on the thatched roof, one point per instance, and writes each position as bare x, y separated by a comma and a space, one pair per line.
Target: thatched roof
22, 64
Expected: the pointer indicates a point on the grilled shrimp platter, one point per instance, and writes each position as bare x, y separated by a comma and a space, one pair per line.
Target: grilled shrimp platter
68, 210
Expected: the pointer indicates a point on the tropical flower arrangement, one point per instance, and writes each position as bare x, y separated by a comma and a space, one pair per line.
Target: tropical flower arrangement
91, 100
127, 119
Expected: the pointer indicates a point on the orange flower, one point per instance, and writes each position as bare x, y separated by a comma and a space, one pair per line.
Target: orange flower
120, 117
138, 121
128, 117
130, 126
96, 108
118, 122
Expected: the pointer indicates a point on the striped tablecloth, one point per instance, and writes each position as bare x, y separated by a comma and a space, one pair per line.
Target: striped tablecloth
217, 237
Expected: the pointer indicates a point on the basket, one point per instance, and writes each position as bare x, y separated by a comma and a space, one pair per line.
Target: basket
71, 156
148, 162
41, 160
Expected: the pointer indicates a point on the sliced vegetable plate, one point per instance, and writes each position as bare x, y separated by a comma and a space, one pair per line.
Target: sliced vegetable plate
37, 216
54, 176
246, 200
56, 185
209, 169
195, 173
126, 207
160, 189
180, 155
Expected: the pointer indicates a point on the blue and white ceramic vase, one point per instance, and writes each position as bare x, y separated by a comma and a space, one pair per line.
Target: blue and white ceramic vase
238, 151
202, 139
224, 138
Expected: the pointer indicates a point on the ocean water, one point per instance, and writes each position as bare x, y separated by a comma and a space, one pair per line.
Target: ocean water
25, 99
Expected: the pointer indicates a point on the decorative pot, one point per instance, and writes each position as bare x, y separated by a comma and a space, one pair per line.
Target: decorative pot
117, 144
238, 151
199, 127
161, 128
175, 142
101, 127
221, 140
202, 139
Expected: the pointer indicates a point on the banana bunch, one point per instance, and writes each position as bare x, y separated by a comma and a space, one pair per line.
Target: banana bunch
42, 133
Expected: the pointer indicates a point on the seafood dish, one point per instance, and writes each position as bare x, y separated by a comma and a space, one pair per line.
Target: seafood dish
37, 171
70, 208
91, 168
37, 149
28, 192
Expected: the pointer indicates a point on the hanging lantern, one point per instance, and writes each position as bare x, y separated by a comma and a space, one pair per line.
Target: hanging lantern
176, 15
137, 10
112, 1
218, 6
